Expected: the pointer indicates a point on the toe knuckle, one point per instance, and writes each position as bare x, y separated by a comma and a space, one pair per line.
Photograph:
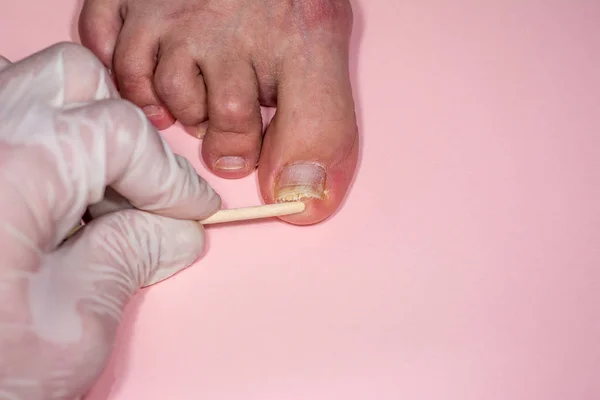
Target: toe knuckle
170, 85
131, 77
233, 109
128, 68
128, 73
190, 114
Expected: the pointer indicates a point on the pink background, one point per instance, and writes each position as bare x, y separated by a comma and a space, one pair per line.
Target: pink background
465, 263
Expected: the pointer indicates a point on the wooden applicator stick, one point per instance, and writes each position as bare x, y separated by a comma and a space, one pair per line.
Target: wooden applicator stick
255, 212
242, 214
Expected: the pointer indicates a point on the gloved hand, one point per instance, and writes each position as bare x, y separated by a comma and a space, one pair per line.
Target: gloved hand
64, 137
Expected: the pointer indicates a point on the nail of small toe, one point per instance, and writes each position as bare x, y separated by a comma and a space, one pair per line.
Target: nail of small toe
301, 181
201, 130
152, 111
230, 163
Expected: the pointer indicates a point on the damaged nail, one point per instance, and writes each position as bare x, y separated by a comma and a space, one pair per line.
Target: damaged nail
301, 181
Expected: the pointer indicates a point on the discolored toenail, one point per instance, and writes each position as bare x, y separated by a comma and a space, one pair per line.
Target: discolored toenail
153, 111
301, 181
230, 163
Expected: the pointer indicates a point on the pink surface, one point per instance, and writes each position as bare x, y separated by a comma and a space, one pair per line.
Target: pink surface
465, 263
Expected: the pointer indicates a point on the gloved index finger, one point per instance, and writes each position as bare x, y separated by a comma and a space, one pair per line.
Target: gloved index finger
112, 143
60, 75
74, 138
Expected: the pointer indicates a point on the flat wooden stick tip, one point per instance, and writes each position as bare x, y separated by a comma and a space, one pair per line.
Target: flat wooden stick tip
255, 212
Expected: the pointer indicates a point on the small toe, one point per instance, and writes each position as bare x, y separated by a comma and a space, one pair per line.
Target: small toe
180, 86
310, 150
232, 142
99, 25
134, 64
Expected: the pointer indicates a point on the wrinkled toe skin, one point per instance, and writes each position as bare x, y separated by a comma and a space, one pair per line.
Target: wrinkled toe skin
211, 65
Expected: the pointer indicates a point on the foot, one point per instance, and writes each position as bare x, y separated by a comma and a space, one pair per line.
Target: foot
218, 61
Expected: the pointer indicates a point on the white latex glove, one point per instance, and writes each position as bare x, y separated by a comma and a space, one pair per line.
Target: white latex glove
64, 137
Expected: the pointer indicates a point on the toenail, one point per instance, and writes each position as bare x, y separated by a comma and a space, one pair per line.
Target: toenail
230, 163
301, 181
152, 111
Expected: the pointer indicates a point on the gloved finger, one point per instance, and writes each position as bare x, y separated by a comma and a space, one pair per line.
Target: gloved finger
126, 250
60, 75
112, 202
77, 296
3, 62
107, 143
126, 152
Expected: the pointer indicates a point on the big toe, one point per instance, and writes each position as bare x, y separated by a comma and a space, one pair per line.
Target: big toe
310, 149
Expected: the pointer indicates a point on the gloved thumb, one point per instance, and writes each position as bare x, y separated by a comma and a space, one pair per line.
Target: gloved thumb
90, 278
134, 248
77, 297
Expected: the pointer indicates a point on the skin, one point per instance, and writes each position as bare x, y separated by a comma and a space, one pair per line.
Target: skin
218, 61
